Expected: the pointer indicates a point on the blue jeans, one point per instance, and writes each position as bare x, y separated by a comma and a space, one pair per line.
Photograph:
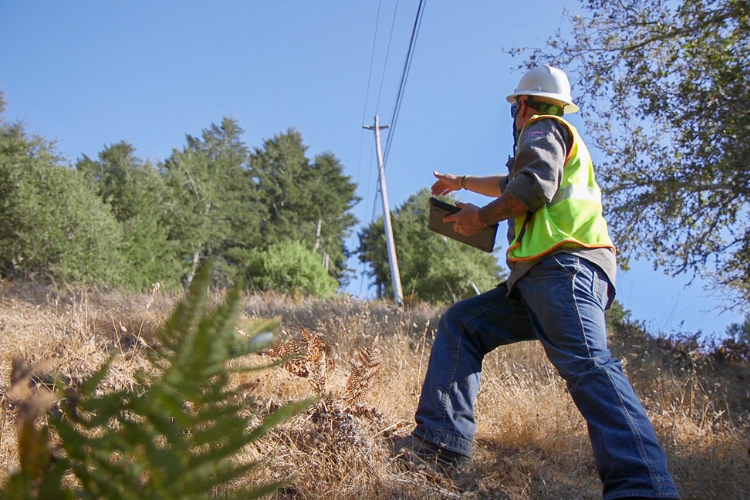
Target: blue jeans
561, 303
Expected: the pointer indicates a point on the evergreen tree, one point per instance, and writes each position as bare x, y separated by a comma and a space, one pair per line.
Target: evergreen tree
308, 202
333, 198
432, 267
139, 199
216, 206
118, 220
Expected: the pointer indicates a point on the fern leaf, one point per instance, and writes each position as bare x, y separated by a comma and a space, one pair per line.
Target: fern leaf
316, 361
33, 449
364, 373
93, 381
176, 439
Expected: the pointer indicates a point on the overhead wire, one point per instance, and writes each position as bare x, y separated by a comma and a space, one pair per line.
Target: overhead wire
399, 94
401, 88
377, 104
367, 96
367, 92
378, 192
364, 115
372, 62
387, 53
404, 78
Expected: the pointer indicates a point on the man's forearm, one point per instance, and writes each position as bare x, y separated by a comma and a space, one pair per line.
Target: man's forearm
505, 207
486, 185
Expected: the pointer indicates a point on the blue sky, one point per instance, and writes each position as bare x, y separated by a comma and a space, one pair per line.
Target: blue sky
90, 74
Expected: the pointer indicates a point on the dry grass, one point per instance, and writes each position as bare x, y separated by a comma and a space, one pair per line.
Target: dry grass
531, 441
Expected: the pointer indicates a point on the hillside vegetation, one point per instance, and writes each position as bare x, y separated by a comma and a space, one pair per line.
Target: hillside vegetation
531, 441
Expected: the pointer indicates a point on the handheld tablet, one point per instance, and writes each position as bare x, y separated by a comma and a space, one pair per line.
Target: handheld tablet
483, 240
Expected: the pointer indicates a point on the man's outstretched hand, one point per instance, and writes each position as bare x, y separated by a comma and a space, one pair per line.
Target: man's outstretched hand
446, 183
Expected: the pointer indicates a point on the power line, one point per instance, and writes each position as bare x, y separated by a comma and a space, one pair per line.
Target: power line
404, 78
387, 53
367, 92
399, 94
362, 132
372, 60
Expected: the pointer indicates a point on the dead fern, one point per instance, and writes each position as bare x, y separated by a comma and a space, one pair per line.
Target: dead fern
40, 478
363, 375
311, 358
318, 355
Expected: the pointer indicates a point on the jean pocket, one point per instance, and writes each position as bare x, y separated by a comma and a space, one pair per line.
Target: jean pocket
597, 285
600, 285
565, 262
587, 276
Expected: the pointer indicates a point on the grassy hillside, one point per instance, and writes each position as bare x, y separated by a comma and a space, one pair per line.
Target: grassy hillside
531, 441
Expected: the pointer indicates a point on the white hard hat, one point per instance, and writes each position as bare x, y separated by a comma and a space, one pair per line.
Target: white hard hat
546, 81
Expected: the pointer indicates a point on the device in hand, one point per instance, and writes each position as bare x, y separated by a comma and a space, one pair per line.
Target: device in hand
483, 240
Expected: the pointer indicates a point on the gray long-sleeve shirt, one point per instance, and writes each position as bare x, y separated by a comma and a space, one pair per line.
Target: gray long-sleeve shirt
534, 177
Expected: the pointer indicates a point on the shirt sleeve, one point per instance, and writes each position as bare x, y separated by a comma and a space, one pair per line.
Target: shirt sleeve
504, 183
539, 163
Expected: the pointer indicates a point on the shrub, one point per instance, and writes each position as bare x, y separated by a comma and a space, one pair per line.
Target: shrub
50, 222
290, 267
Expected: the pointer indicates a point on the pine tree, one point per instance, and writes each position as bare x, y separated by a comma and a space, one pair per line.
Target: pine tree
216, 206
308, 202
139, 200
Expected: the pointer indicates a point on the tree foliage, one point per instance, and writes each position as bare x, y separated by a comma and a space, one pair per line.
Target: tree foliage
305, 201
230, 204
740, 332
214, 200
118, 220
50, 222
663, 90
288, 267
432, 267
139, 201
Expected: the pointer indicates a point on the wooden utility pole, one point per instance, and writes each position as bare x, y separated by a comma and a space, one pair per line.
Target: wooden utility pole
398, 294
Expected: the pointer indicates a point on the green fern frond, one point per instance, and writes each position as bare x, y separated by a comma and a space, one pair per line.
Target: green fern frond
92, 382
177, 436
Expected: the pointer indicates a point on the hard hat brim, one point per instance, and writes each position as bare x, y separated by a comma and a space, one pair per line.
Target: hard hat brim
569, 106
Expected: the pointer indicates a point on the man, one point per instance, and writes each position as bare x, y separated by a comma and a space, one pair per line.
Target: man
562, 275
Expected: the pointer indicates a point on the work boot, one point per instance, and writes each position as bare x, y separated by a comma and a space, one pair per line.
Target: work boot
414, 446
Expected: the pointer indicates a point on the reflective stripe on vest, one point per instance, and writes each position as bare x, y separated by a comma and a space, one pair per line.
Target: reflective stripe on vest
573, 217
574, 192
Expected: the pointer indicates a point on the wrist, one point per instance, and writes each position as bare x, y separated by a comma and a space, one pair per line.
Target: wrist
463, 181
483, 216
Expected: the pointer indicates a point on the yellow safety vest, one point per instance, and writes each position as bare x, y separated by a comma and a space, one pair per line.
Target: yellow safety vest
573, 218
